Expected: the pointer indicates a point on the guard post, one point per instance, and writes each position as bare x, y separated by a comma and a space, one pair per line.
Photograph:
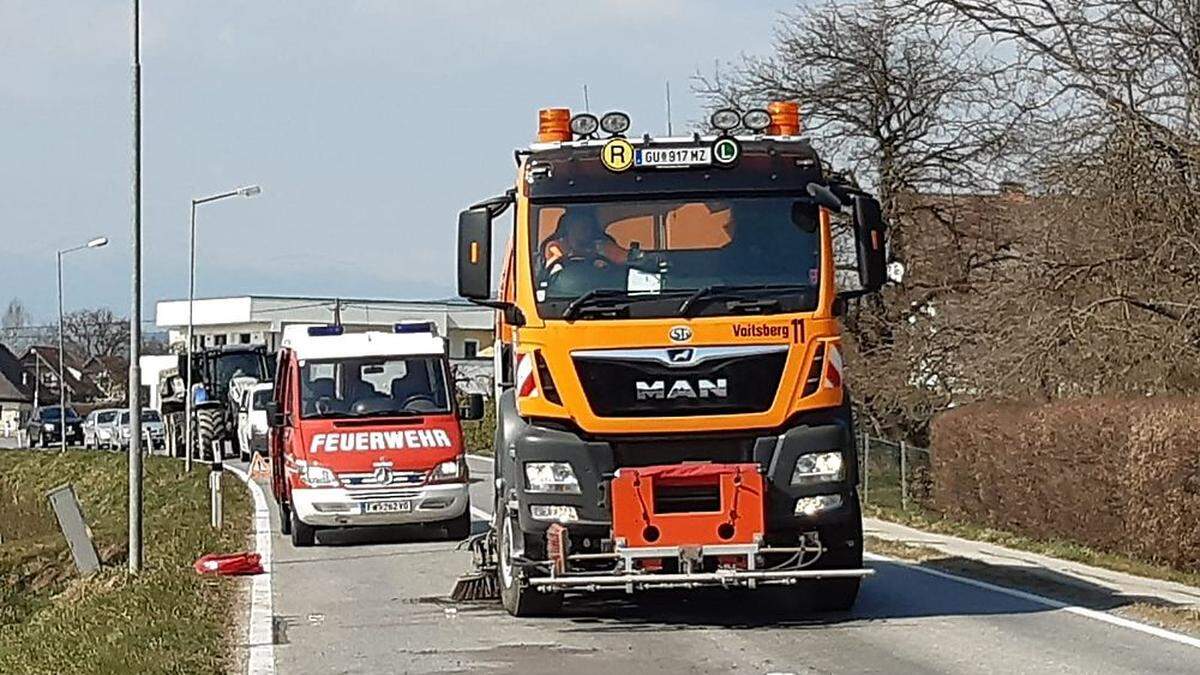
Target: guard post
214, 482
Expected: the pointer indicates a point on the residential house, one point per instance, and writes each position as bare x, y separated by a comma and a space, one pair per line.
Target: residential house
42, 361
16, 394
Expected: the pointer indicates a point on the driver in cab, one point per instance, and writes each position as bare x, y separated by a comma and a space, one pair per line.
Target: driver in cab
580, 237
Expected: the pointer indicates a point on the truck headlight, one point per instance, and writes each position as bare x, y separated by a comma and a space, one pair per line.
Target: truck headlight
554, 513
811, 506
49, 427
818, 467
319, 476
553, 477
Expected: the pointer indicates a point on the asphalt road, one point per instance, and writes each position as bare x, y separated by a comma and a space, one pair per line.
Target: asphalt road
376, 601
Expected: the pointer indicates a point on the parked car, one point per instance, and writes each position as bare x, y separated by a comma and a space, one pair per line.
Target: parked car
152, 430
252, 420
46, 424
98, 428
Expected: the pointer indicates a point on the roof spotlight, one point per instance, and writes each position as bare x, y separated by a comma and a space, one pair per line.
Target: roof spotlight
584, 124
756, 119
615, 123
726, 119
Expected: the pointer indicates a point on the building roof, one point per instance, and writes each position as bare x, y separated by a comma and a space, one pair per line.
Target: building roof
273, 312
12, 378
82, 388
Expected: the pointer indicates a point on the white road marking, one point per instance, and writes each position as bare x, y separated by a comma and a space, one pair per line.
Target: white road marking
1050, 602
261, 638
1097, 615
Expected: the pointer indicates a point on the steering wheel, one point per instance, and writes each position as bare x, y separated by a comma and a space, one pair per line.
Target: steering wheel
420, 398
323, 405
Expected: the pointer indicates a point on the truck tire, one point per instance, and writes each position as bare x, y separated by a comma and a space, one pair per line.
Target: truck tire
208, 429
835, 595
303, 535
458, 528
519, 599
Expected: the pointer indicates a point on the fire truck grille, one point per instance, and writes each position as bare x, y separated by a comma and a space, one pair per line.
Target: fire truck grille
369, 487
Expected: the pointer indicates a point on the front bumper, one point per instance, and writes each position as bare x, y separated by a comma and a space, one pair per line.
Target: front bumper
337, 507
595, 462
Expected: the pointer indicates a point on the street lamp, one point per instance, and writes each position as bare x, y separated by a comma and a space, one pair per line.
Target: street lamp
244, 191
62, 387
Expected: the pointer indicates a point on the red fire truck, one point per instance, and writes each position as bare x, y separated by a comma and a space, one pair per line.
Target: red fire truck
365, 431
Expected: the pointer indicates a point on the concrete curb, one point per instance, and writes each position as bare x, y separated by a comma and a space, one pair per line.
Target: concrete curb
261, 638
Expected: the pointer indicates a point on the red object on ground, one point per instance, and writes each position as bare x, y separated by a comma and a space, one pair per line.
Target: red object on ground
737, 489
230, 564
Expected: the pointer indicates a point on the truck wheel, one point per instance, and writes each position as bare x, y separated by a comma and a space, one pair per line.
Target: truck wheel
518, 598
302, 534
458, 528
208, 422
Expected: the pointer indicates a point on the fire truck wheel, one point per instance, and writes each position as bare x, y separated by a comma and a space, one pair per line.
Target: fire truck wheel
458, 528
519, 599
302, 534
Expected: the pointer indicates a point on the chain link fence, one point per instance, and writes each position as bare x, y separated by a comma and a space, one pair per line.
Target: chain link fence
894, 475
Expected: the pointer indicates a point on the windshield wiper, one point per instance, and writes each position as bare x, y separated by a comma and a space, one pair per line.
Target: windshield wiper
575, 305
573, 308
736, 291
389, 413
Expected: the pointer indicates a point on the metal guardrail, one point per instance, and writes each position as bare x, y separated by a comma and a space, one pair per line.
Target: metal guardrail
894, 474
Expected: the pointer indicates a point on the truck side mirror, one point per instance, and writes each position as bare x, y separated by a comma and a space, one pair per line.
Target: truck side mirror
870, 238
475, 254
473, 409
275, 418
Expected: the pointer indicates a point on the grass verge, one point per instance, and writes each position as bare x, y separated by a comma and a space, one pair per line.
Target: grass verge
167, 619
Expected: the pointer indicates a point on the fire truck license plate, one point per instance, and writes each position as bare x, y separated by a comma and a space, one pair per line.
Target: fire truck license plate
669, 157
387, 507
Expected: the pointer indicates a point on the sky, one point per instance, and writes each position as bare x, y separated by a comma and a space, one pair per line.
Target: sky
368, 123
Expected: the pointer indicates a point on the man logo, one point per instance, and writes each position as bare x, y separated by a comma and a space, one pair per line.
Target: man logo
383, 475
658, 390
680, 355
680, 334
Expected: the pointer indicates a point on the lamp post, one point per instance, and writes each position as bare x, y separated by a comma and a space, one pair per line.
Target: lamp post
245, 191
62, 387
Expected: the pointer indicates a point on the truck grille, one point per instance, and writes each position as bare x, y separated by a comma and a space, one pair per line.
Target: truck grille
675, 382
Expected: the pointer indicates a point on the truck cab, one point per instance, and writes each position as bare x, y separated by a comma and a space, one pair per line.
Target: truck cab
365, 431
670, 402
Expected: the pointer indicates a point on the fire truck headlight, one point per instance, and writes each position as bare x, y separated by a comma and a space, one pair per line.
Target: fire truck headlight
554, 513
552, 477
818, 467
811, 506
319, 476
447, 469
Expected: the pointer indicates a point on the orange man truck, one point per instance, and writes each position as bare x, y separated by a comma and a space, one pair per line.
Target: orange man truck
365, 431
670, 400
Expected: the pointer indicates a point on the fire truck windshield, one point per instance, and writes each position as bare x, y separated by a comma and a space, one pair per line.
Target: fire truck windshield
374, 385
646, 258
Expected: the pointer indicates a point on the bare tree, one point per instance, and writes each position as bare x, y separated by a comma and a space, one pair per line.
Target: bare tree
96, 332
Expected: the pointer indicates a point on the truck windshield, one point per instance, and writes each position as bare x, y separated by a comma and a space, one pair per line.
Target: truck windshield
647, 258
240, 364
374, 385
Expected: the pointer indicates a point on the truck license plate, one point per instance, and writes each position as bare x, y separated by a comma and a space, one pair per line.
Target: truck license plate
673, 157
387, 507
